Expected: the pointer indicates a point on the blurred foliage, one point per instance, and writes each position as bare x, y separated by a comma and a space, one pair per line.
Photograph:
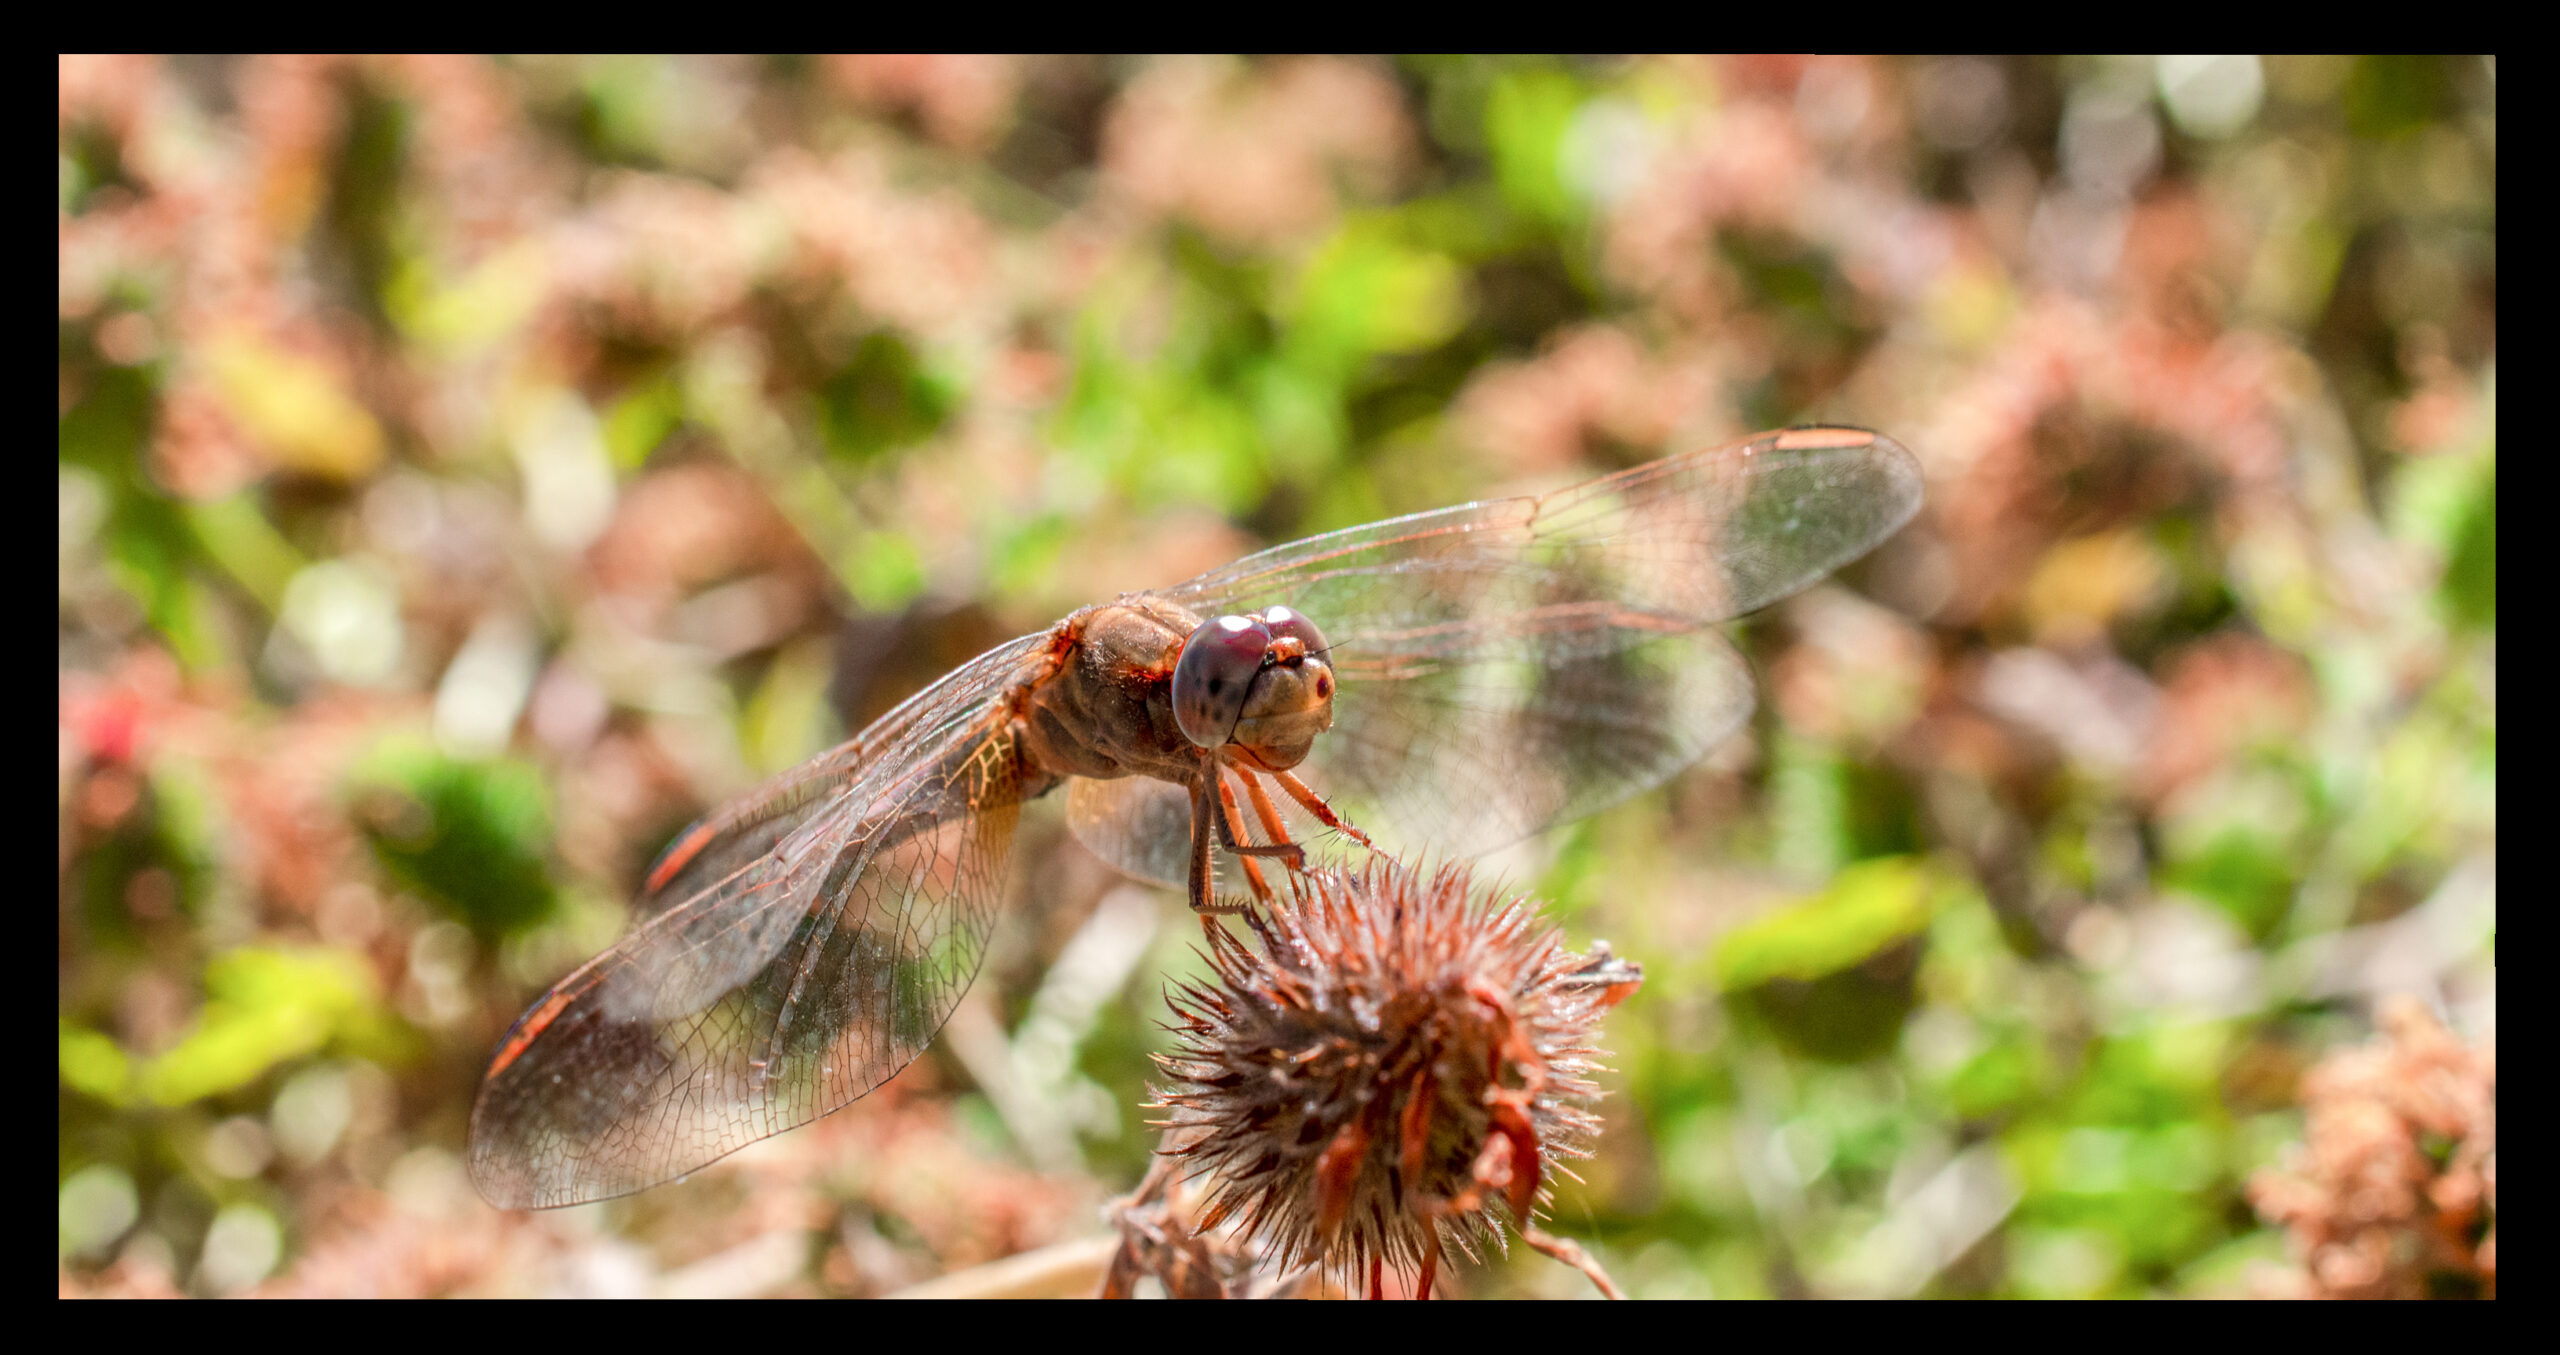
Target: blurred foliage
469, 838
470, 470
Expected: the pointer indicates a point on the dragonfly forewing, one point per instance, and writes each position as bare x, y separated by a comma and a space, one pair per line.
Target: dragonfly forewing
1516, 663
1703, 537
743, 830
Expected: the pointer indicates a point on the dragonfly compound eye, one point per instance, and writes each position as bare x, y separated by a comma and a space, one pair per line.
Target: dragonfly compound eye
1284, 621
1214, 674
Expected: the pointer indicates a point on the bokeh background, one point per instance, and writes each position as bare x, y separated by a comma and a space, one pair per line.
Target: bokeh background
470, 470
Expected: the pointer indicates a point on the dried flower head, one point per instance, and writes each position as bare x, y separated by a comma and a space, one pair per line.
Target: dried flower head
1393, 1071
2394, 1194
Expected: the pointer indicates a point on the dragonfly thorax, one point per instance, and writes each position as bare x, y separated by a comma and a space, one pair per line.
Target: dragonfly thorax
1107, 710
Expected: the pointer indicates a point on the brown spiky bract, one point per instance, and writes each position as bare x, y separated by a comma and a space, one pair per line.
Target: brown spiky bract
1392, 1071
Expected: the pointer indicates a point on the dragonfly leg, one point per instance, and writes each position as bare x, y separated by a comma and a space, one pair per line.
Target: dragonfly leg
1231, 835
1314, 804
1204, 870
1269, 814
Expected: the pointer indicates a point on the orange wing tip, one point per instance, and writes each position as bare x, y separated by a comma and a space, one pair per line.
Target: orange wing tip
677, 858
1812, 439
529, 1030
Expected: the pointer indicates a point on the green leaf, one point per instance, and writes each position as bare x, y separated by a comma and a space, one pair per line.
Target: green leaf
885, 573
471, 837
91, 1063
884, 399
1867, 908
641, 420
264, 1007
1367, 292
1526, 115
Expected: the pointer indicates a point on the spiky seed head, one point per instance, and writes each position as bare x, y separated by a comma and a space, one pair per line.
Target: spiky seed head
1392, 1071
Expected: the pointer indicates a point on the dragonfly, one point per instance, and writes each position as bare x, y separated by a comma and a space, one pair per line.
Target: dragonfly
1448, 682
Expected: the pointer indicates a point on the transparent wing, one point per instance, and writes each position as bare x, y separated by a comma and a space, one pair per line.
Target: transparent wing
1691, 540
743, 830
1472, 755
1137, 823
790, 986
1514, 663
1524, 730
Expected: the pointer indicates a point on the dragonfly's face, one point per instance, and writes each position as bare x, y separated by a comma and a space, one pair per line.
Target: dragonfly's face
1259, 681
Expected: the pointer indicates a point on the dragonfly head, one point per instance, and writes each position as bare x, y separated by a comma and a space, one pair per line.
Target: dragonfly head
1260, 681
